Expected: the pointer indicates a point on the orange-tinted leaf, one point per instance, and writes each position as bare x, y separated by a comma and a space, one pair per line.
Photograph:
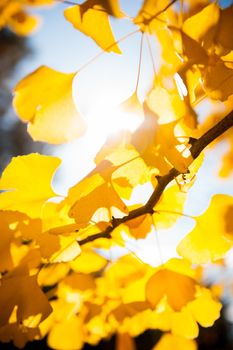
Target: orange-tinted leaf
225, 28
178, 289
125, 342
218, 81
202, 26
26, 286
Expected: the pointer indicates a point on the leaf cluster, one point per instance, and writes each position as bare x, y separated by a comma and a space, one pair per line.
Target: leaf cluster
58, 277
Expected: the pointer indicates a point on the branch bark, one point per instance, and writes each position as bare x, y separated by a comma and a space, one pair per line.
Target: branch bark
197, 146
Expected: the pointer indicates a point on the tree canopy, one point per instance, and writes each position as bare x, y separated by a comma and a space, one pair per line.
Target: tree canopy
58, 276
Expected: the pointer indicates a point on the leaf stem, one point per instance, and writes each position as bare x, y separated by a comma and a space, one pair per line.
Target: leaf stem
140, 63
107, 48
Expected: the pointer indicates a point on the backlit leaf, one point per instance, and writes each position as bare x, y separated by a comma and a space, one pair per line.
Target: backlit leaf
208, 241
50, 110
93, 22
27, 183
178, 289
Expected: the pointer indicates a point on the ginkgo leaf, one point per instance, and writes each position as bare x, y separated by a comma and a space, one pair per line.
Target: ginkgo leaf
140, 227
193, 50
129, 310
66, 335
129, 169
149, 138
205, 309
15, 227
95, 197
208, 241
93, 22
184, 324
225, 28
170, 106
202, 26
88, 261
26, 286
77, 282
149, 10
52, 274
169, 208
218, 81
27, 183
133, 107
50, 110
103, 196
178, 289
58, 248
175, 342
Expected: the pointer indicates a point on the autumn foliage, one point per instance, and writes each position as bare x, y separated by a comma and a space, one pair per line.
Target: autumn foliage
57, 276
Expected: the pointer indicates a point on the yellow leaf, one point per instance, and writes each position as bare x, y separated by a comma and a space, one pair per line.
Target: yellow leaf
88, 262
149, 138
225, 28
148, 10
27, 183
26, 286
58, 248
169, 105
202, 26
93, 22
205, 309
50, 109
218, 81
52, 274
130, 169
178, 288
66, 335
95, 197
208, 241
174, 342
129, 310
169, 208
184, 324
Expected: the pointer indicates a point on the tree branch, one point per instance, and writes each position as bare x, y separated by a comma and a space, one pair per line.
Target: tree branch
197, 146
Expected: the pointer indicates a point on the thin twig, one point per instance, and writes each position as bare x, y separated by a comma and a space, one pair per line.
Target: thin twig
197, 146
140, 62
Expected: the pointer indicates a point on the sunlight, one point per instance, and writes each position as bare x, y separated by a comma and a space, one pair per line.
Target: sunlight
107, 118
